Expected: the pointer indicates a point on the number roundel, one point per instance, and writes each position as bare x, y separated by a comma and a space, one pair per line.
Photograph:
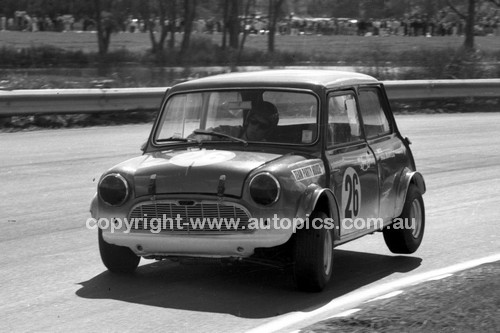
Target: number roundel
351, 194
202, 157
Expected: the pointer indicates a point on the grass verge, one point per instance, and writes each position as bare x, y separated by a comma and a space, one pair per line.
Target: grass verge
468, 301
432, 58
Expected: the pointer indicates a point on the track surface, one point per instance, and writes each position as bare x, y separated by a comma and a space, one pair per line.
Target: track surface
52, 279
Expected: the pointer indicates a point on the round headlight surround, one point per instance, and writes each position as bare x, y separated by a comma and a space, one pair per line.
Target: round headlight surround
261, 195
108, 195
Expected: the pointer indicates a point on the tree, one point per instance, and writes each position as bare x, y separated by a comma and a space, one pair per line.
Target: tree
231, 23
245, 31
105, 24
274, 14
189, 15
157, 45
469, 22
172, 18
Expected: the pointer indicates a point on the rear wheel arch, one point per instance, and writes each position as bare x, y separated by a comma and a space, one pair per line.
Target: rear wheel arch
407, 179
418, 180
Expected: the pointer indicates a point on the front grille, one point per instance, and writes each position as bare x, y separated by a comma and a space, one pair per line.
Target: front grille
189, 217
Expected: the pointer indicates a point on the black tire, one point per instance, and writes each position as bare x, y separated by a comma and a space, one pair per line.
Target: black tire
313, 256
117, 259
407, 240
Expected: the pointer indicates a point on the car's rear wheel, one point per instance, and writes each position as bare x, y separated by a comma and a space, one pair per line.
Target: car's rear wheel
405, 234
117, 259
313, 256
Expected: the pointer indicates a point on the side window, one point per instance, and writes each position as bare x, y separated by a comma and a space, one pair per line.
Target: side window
374, 119
343, 122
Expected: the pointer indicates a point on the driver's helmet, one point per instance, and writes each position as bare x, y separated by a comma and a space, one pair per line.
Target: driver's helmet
264, 115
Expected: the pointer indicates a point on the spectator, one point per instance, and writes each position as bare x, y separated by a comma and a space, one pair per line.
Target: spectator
3, 23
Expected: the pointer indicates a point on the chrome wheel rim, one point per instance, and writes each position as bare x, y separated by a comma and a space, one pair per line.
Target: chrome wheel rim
327, 253
416, 218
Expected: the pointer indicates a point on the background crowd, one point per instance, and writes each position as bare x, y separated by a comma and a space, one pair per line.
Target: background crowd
444, 24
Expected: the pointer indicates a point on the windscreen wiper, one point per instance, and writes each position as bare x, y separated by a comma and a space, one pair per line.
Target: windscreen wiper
174, 138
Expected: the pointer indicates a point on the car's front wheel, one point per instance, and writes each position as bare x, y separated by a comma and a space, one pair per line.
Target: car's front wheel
117, 259
313, 256
405, 234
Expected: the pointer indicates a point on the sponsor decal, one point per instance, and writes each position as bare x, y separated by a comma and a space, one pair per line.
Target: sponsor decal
385, 154
365, 161
307, 136
309, 171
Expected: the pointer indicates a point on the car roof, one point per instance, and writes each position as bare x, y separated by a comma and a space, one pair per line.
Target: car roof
291, 78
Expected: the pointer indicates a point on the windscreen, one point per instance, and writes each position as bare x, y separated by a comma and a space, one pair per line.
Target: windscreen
273, 116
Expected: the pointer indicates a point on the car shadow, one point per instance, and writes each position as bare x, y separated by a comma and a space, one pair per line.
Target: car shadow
243, 290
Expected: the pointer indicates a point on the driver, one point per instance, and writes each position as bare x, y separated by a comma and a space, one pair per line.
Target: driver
260, 122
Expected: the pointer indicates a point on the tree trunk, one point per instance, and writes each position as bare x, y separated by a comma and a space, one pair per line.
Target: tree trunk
172, 19
189, 14
100, 42
469, 26
469, 22
225, 20
150, 27
164, 28
105, 26
245, 32
158, 45
234, 24
274, 12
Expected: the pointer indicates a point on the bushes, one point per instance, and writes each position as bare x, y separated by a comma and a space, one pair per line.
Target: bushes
18, 123
41, 56
417, 63
426, 64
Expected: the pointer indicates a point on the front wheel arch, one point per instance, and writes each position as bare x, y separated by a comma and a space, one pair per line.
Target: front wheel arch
117, 259
318, 199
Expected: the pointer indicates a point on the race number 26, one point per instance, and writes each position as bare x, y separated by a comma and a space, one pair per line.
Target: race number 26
351, 193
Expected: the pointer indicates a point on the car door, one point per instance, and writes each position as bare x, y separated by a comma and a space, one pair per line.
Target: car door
389, 150
353, 171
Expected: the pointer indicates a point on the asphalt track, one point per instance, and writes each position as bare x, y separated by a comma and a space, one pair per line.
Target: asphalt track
52, 280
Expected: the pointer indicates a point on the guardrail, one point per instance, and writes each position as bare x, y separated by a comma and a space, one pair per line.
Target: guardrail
65, 101
435, 89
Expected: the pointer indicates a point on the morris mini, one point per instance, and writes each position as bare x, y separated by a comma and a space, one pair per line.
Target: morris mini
277, 166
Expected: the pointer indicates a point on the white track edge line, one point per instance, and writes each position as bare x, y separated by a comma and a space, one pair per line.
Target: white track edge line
358, 297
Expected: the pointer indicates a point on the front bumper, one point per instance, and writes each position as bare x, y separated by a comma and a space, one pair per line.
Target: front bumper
265, 231
216, 246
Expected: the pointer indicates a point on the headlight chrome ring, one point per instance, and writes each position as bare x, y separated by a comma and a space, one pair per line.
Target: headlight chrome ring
113, 189
265, 189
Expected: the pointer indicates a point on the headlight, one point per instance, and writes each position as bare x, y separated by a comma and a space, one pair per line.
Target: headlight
113, 189
264, 189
